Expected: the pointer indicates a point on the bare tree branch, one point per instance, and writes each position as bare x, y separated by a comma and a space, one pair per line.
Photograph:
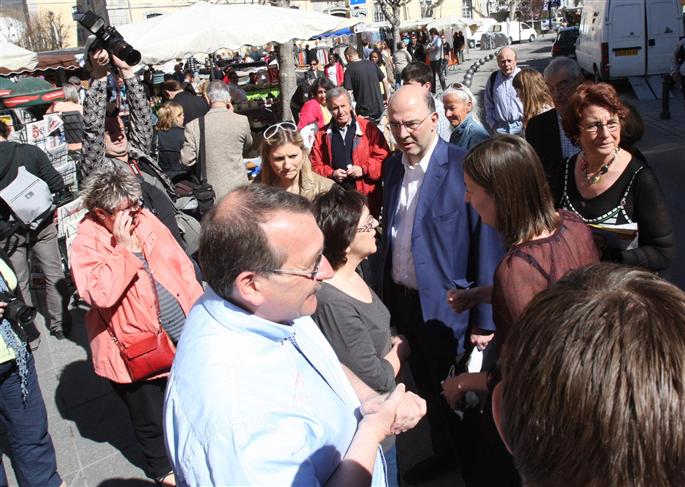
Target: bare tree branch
44, 32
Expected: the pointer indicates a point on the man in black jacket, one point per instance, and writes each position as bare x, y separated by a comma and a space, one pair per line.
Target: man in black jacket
193, 106
545, 132
18, 239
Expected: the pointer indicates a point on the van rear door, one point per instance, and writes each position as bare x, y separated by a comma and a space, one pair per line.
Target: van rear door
626, 39
663, 32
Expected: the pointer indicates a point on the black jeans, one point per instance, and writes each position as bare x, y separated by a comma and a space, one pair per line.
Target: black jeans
145, 403
436, 68
433, 352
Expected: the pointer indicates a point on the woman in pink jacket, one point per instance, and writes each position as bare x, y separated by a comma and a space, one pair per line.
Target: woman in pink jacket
140, 286
315, 110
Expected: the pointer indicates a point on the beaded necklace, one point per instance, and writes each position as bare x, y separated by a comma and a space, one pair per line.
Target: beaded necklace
594, 178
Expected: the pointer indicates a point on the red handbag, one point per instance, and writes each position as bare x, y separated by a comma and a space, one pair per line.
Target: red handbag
150, 356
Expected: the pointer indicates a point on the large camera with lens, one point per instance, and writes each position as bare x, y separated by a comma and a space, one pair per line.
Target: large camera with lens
16, 310
108, 38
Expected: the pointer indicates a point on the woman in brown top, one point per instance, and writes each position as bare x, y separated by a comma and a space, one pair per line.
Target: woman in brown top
506, 185
285, 163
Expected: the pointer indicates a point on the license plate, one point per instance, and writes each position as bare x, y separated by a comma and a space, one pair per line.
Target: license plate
626, 52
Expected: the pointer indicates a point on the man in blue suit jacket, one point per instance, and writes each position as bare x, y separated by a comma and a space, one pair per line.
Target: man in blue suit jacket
433, 241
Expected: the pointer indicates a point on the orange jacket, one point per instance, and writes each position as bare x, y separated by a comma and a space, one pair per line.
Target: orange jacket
369, 150
121, 292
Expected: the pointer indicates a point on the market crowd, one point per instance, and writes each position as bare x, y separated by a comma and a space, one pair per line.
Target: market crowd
510, 263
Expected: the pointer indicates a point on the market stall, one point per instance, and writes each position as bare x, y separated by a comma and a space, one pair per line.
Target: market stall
206, 28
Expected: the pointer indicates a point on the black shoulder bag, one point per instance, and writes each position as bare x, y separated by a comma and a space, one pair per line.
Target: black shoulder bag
202, 190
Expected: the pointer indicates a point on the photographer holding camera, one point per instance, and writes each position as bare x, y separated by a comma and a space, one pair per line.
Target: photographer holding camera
22, 410
29, 188
107, 141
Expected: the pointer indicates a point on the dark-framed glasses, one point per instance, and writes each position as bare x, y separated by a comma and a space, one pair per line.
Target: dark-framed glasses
592, 128
411, 125
134, 208
271, 130
369, 226
310, 274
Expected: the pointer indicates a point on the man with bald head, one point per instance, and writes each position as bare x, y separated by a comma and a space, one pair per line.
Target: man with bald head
503, 108
433, 241
256, 395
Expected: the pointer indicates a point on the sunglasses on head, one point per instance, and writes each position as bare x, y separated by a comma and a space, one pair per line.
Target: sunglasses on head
273, 129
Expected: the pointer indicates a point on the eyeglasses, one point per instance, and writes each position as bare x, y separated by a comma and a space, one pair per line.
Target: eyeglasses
134, 208
593, 128
297, 272
273, 129
411, 126
369, 226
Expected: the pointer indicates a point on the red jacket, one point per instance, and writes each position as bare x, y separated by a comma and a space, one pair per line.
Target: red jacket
369, 151
120, 291
311, 112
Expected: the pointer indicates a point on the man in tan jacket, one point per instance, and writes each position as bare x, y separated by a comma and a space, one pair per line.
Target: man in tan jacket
227, 137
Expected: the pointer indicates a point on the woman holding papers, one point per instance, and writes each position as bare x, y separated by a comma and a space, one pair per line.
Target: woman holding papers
614, 192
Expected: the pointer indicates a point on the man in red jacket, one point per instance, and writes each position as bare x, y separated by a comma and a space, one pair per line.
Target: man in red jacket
350, 149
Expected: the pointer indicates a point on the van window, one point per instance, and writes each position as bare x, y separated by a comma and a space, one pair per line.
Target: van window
524, 26
626, 21
497, 28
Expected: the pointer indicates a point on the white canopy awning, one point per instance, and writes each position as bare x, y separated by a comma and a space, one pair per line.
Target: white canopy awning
450, 21
405, 25
205, 28
15, 59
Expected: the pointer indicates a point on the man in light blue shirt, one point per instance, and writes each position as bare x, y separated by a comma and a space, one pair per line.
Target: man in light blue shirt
503, 108
435, 55
256, 395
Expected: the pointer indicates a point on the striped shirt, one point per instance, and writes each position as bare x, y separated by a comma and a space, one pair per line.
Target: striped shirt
170, 312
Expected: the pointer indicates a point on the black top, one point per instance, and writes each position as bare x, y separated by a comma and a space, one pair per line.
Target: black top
542, 133
193, 106
169, 144
359, 333
635, 197
73, 127
362, 78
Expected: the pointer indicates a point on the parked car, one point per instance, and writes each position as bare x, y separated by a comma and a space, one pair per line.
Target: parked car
623, 38
514, 30
565, 43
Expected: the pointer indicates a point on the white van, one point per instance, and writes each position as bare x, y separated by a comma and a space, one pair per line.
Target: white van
514, 30
474, 39
622, 38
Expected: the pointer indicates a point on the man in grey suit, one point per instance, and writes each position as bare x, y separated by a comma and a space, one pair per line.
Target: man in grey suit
227, 137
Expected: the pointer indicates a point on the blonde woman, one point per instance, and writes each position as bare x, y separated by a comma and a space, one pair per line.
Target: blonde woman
532, 90
201, 90
170, 138
285, 162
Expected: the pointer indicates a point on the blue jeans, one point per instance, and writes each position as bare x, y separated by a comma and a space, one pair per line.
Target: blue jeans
27, 429
391, 469
513, 128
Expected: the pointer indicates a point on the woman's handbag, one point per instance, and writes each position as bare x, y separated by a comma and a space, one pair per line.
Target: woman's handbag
149, 357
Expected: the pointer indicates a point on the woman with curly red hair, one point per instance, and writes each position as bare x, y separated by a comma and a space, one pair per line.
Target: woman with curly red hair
614, 192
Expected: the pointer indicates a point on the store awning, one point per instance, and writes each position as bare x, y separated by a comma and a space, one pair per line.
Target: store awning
15, 59
28, 92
